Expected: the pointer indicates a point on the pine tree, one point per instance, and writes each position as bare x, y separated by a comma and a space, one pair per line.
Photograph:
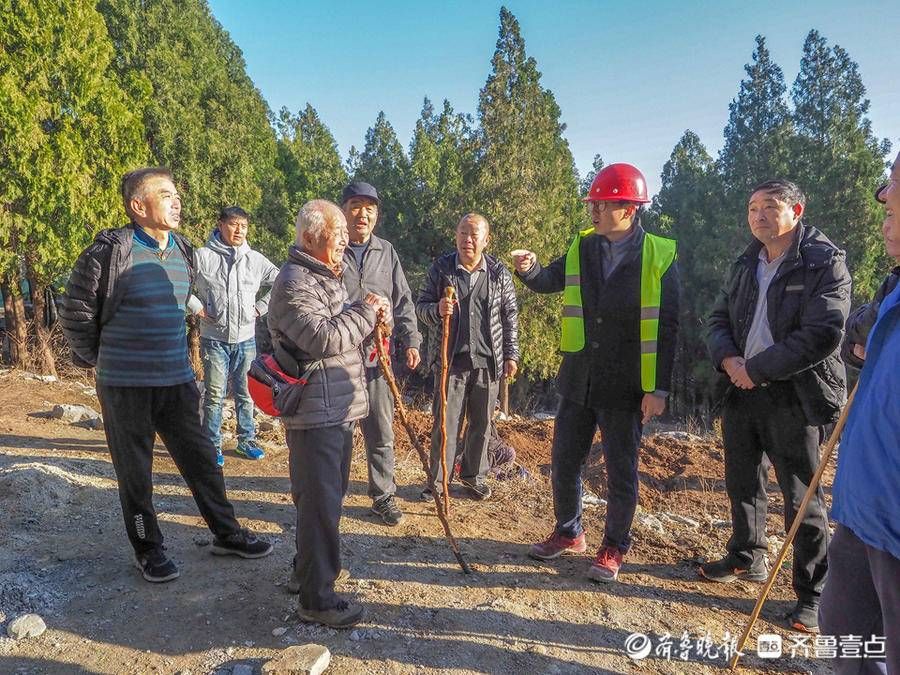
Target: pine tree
589, 178
527, 185
838, 160
67, 134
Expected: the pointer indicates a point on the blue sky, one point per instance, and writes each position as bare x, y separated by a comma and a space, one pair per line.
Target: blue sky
628, 77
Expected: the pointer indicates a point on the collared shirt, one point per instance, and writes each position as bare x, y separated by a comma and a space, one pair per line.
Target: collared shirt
473, 344
759, 338
140, 234
612, 253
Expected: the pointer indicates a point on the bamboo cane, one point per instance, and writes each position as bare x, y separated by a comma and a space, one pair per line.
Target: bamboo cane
798, 518
450, 296
380, 333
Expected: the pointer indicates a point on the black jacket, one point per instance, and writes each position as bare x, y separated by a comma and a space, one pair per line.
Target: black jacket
606, 374
808, 302
863, 318
93, 294
503, 313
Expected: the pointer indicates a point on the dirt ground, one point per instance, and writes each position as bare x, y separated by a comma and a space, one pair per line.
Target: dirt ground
64, 555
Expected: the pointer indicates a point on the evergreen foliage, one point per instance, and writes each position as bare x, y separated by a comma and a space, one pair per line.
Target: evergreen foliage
89, 91
526, 182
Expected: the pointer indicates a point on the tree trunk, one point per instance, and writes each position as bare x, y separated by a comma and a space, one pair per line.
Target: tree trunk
16, 323
45, 363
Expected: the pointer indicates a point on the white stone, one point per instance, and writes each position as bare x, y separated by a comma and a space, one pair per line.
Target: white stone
73, 413
680, 436
651, 522
278, 632
26, 626
308, 659
678, 518
590, 499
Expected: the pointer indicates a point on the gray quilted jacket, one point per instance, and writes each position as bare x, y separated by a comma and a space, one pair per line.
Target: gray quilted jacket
311, 318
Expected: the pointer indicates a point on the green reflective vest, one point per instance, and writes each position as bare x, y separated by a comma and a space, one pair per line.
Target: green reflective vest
657, 256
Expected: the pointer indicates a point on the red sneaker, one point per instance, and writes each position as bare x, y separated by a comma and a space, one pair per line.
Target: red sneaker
555, 545
605, 567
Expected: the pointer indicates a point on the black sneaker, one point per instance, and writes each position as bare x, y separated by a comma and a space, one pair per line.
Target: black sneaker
342, 615
293, 584
388, 510
155, 567
804, 617
425, 495
730, 569
479, 491
242, 543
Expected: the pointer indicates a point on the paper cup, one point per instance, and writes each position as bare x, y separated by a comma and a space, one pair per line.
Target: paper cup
518, 253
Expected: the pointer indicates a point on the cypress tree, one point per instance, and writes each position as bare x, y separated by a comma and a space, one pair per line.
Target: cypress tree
757, 141
839, 161
527, 185
384, 164
442, 174
67, 134
203, 116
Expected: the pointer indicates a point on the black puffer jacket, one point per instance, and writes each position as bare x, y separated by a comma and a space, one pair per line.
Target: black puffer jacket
503, 312
863, 318
93, 294
808, 302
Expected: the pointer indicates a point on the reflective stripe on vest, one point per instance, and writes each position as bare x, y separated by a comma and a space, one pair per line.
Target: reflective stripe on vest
657, 255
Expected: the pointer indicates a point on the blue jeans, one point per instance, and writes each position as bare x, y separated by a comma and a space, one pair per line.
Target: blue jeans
224, 362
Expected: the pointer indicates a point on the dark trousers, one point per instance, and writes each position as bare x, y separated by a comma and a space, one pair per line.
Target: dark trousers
470, 394
573, 434
861, 598
132, 416
320, 475
378, 434
770, 420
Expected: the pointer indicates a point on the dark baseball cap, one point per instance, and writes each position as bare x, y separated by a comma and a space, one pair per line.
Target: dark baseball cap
359, 189
878, 195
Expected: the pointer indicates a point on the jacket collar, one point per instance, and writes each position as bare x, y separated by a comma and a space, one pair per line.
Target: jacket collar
750, 256
300, 257
215, 243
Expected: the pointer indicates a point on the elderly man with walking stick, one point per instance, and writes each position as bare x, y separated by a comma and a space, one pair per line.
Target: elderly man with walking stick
483, 345
775, 332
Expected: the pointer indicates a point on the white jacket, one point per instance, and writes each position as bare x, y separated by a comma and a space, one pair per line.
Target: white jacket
226, 282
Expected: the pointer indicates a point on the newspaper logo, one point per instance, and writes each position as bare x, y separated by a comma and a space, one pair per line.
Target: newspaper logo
768, 646
638, 646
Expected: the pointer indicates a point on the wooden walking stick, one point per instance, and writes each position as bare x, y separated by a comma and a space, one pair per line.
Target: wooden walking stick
801, 511
381, 331
450, 296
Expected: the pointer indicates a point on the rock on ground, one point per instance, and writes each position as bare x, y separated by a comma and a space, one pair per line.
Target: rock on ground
309, 659
73, 413
26, 626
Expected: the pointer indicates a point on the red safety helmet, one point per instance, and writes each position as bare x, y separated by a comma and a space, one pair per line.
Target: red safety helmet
618, 183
